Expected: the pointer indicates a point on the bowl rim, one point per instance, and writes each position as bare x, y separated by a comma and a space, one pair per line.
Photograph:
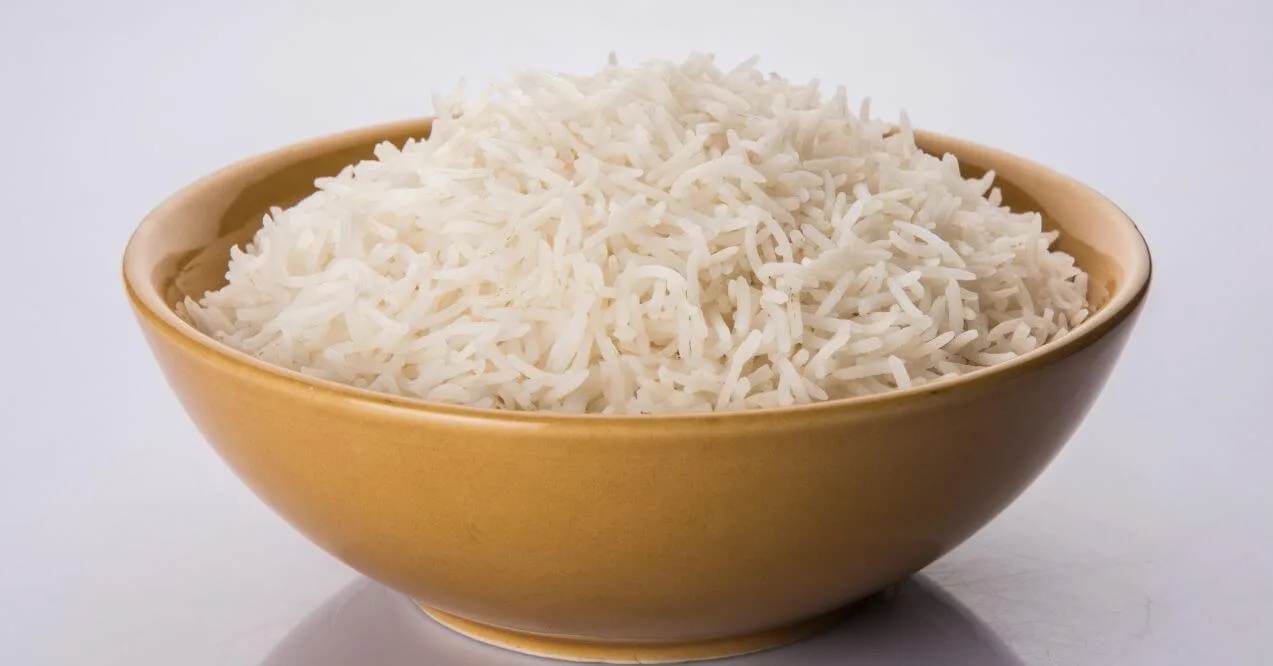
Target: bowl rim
152, 308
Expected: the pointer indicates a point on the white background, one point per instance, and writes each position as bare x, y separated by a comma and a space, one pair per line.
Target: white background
123, 540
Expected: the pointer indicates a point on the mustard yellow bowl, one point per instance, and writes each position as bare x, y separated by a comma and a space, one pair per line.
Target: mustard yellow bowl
605, 538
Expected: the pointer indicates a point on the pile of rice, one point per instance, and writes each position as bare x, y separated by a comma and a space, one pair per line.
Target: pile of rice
664, 238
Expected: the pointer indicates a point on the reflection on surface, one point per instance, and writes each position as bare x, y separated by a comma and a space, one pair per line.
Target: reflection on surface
914, 624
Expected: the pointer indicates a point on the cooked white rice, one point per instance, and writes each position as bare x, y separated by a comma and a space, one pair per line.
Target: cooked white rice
665, 238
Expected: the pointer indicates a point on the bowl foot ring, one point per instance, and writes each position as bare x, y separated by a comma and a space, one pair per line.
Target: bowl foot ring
585, 650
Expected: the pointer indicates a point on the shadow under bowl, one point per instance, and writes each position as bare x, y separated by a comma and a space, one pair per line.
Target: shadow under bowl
638, 538
912, 623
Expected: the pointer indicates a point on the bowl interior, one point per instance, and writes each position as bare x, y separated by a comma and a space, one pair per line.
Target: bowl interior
183, 247
226, 208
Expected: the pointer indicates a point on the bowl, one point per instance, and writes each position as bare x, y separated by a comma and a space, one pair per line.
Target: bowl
627, 538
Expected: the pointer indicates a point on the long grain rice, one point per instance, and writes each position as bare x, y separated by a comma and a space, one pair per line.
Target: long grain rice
664, 238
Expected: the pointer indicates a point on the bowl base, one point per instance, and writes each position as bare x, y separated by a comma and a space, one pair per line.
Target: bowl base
597, 651
582, 650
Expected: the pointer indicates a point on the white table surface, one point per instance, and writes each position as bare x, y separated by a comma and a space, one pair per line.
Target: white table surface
124, 541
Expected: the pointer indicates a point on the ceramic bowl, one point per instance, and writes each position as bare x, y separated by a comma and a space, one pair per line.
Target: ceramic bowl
657, 538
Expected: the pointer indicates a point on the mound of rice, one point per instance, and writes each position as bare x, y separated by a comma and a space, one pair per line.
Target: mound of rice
665, 238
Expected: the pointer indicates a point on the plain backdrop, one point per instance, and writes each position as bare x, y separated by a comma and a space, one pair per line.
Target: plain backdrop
123, 539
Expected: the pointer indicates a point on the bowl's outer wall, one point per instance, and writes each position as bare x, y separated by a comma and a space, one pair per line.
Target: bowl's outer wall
636, 533
654, 530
